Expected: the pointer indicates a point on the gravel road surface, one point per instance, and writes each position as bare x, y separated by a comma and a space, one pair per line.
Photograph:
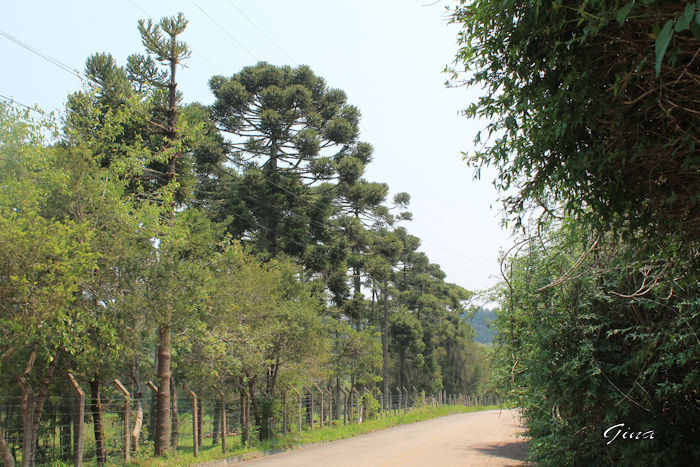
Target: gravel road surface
470, 439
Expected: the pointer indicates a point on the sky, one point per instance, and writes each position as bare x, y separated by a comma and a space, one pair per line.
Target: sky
387, 56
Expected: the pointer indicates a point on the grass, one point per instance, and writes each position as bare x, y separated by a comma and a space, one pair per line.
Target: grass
185, 456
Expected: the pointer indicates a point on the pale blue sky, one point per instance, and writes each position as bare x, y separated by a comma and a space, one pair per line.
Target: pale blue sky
388, 57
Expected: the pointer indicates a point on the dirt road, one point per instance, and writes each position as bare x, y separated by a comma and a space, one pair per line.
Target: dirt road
472, 439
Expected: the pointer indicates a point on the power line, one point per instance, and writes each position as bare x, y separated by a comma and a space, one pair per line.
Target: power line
75, 73
224, 30
262, 32
473, 260
140, 8
468, 224
11, 101
58, 63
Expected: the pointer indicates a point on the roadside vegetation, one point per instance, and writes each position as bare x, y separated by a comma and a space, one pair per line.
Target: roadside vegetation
593, 131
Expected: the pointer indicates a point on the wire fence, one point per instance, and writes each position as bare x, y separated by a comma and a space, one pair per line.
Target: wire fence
121, 427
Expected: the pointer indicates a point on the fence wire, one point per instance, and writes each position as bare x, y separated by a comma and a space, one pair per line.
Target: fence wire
292, 411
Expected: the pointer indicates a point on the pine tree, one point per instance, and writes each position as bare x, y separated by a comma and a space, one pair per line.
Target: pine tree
286, 130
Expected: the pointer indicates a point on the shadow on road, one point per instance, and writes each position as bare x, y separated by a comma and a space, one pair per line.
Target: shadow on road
515, 450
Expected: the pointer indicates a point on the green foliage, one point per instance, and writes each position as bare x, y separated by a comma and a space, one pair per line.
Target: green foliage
371, 404
45, 261
120, 229
588, 103
609, 344
286, 129
359, 354
594, 138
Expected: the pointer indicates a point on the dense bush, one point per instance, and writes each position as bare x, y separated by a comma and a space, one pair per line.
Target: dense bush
593, 133
591, 338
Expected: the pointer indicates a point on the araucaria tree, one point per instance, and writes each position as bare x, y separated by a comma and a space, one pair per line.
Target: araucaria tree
594, 135
286, 130
161, 42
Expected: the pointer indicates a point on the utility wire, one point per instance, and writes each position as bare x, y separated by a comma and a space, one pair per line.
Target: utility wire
408, 169
224, 30
13, 102
262, 32
58, 63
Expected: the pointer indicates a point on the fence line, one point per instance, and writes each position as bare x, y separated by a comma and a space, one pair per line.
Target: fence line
70, 431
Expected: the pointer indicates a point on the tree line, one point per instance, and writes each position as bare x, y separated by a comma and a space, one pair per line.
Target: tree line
235, 247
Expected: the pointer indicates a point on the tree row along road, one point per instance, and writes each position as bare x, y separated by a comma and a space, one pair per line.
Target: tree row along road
478, 438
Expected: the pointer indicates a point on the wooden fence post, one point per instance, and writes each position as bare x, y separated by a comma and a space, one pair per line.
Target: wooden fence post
127, 410
195, 427
311, 407
345, 406
300, 407
284, 412
223, 421
330, 406
400, 398
81, 422
320, 392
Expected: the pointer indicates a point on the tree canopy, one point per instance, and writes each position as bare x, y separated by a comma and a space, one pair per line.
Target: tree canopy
592, 108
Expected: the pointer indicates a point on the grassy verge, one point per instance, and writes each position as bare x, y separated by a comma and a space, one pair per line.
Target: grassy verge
184, 456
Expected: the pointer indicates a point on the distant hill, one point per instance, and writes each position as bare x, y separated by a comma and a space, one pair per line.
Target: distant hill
481, 322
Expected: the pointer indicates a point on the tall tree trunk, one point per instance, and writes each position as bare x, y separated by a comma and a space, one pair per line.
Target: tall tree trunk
337, 378
350, 395
5, 453
175, 425
385, 340
27, 409
273, 223
78, 422
257, 415
98, 421
27, 447
357, 296
32, 407
163, 423
244, 418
